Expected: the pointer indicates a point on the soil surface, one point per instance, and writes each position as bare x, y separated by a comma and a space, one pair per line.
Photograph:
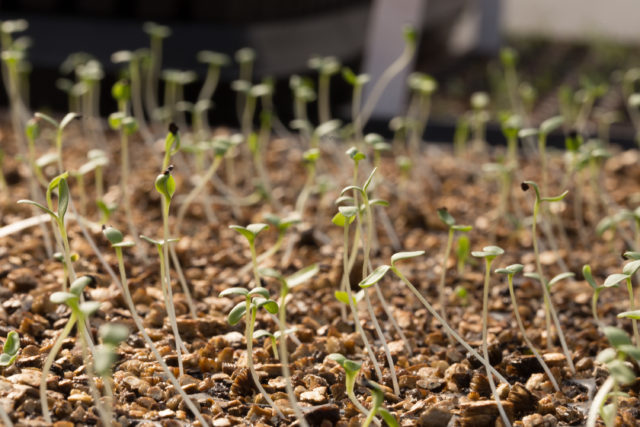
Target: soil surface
440, 383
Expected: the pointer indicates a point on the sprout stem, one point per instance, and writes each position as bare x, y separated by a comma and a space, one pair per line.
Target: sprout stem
598, 401
632, 307
202, 183
441, 287
103, 411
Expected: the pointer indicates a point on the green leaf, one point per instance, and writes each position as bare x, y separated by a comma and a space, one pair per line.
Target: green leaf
367, 183
343, 297
303, 275
251, 231
349, 76
621, 372
556, 198
405, 255
12, 344
488, 252
270, 272
237, 313
351, 187
462, 228
68, 118
355, 155
534, 276
586, 272
350, 366
551, 124
630, 350
150, 240
7, 359
46, 159
631, 255
633, 314
127, 244
39, 206
388, 417
631, 268
378, 202
62, 297
559, 277
79, 284
115, 120
113, 333
446, 217
234, 291
614, 279
269, 305
327, 127
88, 308
47, 118
113, 235
606, 355
166, 184
616, 336
63, 198
261, 333
511, 269
374, 277
348, 212
608, 414
526, 133
259, 291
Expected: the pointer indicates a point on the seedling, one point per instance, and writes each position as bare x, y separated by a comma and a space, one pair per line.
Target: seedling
479, 118
117, 241
10, 349
273, 338
620, 374
326, 67
105, 356
422, 87
511, 125
351, 370
59, 184
286, 285
215, 61
450, 222
253, 300
60, 126
157, 33
550, 311
410, 36
377, 396
611, 283
627, 273
463, 250
303, 93
511, 271
400, 256
250, 232
489, 253
80, 312
358, 82
345, 216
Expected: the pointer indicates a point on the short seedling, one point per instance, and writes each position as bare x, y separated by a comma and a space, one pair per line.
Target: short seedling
10, 349
105, 356
358, 82
489, 253
620, 374
326, 67
59, 184
377, 398
286, 285
250, 232
627, 273
60, 126
254, 300
450, 222
351, 370
611, 283
510, 271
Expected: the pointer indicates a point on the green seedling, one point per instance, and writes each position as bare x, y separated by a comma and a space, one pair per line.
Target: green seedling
250, 232
543, 132
550, 311
479, 118
303, 93
80, 312
620, 374
253, 300
450, 222
489, 253
410, 37
10, 349
511, 125
175, 81
511, 271
351, 370
463, 250
345, 216
60, 126
326, 67
377, 396
422, 87
627, 273
134, 62
509, 60
611, 283
157, 33
214, 61
287, 284
105, 356
378, 146
310, 160
273, 338
116, 239
59, 184
461, 135
358, 82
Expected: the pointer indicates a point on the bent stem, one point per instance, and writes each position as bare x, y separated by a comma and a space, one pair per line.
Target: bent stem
196, 191
138, 321
446, 326
533, 349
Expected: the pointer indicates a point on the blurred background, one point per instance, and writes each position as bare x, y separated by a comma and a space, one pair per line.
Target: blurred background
563, 48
